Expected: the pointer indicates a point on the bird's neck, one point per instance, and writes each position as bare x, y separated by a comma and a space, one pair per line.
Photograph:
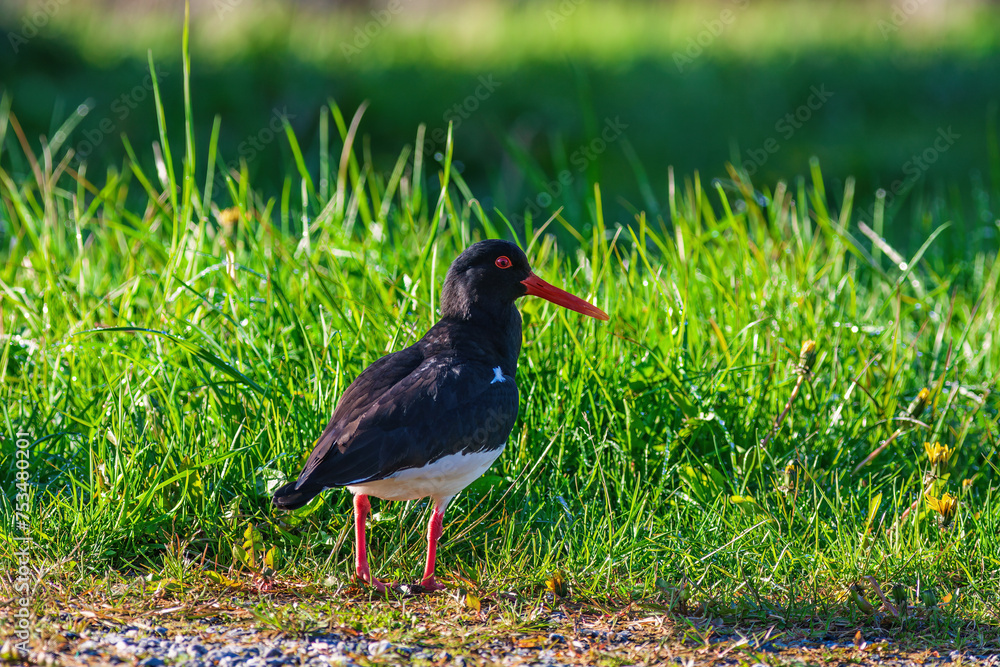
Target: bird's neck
493, 335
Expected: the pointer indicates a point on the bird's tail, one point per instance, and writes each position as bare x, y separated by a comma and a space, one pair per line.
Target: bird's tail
289, 498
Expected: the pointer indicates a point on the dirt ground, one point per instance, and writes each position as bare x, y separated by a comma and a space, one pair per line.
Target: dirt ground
351, 628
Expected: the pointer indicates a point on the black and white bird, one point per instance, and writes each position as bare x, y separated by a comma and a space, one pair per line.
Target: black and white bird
428, 420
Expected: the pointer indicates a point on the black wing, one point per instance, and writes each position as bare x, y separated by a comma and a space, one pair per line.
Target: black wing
405, 411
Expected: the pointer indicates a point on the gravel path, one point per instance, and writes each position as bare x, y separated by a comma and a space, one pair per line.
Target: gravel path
214, 645
219, 646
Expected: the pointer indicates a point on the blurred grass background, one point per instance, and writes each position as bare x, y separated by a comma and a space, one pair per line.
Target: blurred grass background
691, 85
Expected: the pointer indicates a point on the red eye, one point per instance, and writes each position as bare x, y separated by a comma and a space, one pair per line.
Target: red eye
503, 262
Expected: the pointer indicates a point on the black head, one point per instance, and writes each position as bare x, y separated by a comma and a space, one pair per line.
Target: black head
487, 276
490, 275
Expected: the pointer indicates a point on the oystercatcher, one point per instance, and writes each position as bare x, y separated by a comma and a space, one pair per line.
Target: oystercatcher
428, 420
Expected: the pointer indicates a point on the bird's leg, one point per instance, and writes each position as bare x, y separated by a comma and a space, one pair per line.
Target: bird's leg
361, 508
434, 529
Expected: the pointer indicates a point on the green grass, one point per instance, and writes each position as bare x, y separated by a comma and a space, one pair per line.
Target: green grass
172, 344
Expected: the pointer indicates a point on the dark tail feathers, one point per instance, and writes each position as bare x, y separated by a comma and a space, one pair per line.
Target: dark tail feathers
290, 498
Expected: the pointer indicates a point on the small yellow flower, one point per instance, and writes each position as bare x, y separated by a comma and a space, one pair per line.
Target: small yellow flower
919, 403
966, 485
945, 506
937, 454
556, 583
228, 217
789, 476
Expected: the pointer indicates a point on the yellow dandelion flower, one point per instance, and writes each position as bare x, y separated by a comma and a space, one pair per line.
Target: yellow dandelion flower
807, 356
945, 506
228, 218
937, 453
556, 583
919, 403
790, 473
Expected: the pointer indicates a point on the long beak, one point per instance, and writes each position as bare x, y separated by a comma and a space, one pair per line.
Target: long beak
538, 287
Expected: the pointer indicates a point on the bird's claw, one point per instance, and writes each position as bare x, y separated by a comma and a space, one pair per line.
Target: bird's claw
428, 585
367, 578
431, 584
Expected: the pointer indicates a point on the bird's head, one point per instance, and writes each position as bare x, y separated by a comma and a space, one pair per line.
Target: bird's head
491, 274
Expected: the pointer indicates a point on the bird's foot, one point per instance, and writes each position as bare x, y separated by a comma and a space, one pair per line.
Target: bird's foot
430, 584
366, 576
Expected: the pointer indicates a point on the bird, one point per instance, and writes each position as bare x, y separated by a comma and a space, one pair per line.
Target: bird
428, 420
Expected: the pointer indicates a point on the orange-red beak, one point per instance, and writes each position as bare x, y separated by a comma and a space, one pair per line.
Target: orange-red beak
538, 287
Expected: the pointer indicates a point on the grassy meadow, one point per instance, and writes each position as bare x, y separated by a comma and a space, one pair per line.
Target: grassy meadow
173, 337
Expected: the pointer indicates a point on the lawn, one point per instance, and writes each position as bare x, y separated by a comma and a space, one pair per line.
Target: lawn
174, 338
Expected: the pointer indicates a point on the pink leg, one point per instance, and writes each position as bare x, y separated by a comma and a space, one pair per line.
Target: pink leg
361, 508
434, 529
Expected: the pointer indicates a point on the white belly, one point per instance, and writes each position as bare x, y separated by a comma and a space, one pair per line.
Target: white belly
442, 479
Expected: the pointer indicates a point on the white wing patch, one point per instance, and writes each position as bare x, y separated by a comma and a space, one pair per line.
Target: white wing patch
498, 376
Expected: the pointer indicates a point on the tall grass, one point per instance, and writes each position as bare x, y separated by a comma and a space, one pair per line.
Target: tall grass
173, 341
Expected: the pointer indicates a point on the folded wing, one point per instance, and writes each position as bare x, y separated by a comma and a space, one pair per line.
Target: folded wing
405, 411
